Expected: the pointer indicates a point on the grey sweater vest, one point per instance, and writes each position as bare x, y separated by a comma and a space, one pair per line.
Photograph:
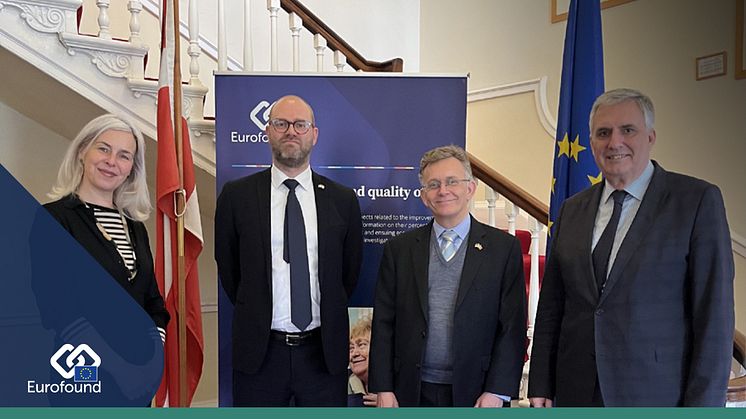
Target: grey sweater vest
443, 282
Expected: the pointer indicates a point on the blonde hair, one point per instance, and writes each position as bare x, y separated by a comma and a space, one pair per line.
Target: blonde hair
131, 197
361, 328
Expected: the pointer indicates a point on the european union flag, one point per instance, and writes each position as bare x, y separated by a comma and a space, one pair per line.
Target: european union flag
582, 82
85, 374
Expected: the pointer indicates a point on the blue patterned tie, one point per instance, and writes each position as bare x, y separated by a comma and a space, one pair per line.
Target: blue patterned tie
295, 253
448, 245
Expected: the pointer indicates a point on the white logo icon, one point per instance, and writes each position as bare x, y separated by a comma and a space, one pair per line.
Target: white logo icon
75, 358
256, 113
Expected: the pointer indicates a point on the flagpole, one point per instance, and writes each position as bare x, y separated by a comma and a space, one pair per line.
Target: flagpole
180, 201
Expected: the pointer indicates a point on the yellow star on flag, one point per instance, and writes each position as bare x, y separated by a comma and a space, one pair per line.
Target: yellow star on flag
564, 147
576, 148
554, 180
549, 227
596, 179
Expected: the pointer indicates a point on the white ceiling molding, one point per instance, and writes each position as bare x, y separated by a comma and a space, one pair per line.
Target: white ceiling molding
536, 86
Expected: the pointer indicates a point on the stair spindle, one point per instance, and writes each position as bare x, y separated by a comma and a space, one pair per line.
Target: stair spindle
103, 19
339, 61
194, 49
319, 44
491, 197
222, 45
511, 211
273, 6
296, 24
248, 47
135, 7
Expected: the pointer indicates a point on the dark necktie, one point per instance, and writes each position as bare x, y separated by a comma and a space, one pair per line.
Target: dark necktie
296, 255
602, 252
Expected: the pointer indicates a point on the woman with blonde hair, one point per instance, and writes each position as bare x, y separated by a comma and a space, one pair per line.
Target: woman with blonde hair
101, 199
357, 384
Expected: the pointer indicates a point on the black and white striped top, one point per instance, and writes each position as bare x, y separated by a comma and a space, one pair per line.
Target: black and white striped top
114, 224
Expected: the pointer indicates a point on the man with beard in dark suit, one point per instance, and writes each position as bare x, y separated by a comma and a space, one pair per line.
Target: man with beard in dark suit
288, 244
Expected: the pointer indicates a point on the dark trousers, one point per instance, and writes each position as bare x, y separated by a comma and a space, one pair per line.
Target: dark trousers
291, 376
598, 399
436, 395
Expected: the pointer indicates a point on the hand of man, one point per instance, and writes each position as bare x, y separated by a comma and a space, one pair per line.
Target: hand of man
370, 399
488, 400
387, 399
540, 402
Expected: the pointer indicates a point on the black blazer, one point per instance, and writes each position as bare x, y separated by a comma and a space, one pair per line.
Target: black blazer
489, 331
244, 259
661, 334
80, 222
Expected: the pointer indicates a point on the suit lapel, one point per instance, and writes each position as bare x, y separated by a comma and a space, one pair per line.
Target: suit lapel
263, 191
421, 263
477, 249
641, 225
323, 206
587, 220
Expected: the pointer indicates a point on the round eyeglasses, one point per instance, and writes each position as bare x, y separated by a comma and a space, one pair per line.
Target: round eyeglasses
282, 125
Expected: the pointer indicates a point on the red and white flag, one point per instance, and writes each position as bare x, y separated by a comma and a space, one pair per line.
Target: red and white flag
166, 261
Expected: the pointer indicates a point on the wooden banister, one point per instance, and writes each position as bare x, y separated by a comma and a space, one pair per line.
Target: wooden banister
509, 190
336, 43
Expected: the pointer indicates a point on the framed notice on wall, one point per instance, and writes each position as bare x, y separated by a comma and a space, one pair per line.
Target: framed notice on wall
560, 8
740, 40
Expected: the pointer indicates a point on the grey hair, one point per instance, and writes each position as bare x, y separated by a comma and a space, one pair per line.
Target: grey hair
132, 196
444, 152
617, 96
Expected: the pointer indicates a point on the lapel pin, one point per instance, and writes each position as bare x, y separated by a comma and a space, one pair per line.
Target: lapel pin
321, 186
478, 246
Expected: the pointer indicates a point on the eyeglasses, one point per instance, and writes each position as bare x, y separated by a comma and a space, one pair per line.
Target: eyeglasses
282, 125
450, 182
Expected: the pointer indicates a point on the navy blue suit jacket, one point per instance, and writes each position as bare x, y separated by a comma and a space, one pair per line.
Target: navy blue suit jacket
661, 334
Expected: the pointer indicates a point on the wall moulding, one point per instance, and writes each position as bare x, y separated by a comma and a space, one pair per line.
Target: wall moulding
536, 86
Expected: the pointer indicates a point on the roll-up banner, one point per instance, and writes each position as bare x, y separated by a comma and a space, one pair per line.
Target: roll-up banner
373, 130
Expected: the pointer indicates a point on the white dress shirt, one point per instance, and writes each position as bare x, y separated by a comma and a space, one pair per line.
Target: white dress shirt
636, 191
280, 269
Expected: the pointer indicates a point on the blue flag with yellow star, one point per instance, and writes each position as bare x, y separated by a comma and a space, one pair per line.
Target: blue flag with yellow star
582, 82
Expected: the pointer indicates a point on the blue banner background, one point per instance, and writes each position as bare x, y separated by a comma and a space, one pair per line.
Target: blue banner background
373, 130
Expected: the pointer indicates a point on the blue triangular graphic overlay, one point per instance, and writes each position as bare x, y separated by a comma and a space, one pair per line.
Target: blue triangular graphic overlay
71, 336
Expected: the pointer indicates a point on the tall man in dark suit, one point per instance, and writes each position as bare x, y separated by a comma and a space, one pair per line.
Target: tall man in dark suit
449, 322
636, 306
288, 245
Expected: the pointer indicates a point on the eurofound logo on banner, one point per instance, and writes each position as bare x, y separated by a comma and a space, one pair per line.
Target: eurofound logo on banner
259, 117
77, 363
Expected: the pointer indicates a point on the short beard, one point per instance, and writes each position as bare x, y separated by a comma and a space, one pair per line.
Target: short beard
295, 160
